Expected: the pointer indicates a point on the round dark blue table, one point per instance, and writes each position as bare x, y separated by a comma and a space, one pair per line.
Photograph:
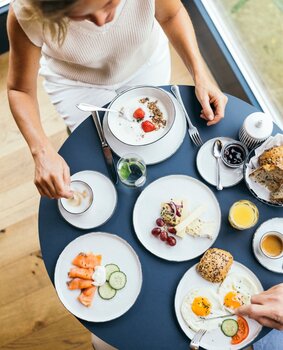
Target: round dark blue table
151, 323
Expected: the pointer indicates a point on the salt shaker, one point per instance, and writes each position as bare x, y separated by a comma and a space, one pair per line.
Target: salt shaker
257, 127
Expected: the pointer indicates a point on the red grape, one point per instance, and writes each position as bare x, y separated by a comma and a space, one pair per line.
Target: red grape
160, 222
156, 231
163, 236
171, 241
171, 229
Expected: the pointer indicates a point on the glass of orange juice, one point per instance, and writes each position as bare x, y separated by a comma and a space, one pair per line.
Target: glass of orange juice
243, 215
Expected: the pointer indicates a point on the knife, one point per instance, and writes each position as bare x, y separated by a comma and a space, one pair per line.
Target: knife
105, 148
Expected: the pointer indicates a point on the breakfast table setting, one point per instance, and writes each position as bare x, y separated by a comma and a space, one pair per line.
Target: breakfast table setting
172, 224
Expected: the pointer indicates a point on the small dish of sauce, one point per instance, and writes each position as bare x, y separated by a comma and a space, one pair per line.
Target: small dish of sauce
234, 154
271, 244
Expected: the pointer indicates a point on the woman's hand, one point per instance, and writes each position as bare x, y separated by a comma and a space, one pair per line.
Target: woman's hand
52, 174
266, 308
212, 100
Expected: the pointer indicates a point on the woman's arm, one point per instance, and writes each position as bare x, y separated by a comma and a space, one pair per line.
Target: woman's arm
52, 175
178, 27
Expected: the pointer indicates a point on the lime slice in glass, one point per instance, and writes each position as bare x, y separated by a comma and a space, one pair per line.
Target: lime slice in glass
125, 171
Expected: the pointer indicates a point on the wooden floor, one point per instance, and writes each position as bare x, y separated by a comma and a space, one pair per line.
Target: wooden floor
31, 316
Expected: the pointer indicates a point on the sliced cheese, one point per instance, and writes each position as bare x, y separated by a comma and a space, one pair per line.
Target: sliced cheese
199, 228
195, 214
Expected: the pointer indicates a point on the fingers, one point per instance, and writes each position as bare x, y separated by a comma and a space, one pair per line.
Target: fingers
268, 322
207, 112
253, 311
220, 105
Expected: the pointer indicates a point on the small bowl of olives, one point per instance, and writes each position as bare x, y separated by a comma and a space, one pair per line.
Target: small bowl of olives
234, 154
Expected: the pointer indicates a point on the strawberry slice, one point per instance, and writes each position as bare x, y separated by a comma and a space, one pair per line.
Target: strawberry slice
148, 126
139, 113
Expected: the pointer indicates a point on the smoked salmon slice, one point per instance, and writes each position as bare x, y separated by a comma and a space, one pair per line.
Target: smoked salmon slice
79, 272
79, 283
87, 261
87, 295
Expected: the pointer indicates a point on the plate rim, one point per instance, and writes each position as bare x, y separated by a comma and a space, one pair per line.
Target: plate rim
196, 180
59, 205
197, 162
175, 301
254, 248
134, 88
112, 235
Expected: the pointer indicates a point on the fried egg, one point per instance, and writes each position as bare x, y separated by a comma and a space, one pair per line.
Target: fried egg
236, 291
199, 305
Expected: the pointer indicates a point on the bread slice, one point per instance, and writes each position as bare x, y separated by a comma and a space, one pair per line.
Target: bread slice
172, 212
215, 265
273, 156
269, 176
277, 196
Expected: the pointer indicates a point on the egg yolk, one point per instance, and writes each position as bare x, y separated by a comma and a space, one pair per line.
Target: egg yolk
233, 300
201, 306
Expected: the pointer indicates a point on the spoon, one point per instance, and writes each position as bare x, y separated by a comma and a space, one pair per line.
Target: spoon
86, 107
217, 146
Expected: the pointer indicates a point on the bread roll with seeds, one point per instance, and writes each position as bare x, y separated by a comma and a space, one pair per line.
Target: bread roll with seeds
215, 265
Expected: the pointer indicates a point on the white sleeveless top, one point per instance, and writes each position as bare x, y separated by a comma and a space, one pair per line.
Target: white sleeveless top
103, 55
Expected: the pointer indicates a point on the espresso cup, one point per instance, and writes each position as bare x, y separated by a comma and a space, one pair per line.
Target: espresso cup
271, 244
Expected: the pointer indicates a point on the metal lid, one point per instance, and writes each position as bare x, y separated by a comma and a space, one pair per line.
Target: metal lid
258, 125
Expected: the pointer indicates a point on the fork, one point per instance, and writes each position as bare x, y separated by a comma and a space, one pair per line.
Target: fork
193, 131
194, 344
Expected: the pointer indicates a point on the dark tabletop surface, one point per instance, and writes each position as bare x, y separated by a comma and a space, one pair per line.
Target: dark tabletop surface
151, 323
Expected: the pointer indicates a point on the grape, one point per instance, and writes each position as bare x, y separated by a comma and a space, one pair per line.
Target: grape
171, 229
171, 241
160, 222
156, 231
163, 236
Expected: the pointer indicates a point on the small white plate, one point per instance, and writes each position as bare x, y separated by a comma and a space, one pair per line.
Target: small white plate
275, 224
104, 201
206, 165
147, 210
215, 339
161, 149
113, 250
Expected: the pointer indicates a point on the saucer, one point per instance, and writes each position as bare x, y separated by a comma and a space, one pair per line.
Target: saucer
159, 150
275, 265
103, 205
206, 165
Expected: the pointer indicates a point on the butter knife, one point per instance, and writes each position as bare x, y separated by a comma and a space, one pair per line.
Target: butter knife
105, 148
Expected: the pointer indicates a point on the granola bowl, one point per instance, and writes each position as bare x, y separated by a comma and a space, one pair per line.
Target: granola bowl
147, 115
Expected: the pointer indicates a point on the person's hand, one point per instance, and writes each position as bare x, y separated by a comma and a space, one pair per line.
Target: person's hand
52, 174
266, 308
212, 100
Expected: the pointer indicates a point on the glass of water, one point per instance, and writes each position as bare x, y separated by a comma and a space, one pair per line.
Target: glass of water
132, 170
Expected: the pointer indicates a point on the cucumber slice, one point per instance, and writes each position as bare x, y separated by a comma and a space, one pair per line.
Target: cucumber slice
117, 280
110, 268
106, 291
229, 327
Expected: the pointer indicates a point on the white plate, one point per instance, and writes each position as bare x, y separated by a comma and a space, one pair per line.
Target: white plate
214, 340
147, 210
104, 201
113, 250
275, 224
131, 133
206, 165
161, 149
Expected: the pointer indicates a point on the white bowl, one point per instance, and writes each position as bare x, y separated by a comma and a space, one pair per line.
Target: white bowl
83, 198
130, 131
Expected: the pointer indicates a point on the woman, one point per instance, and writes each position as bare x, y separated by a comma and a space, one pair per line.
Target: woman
90, 49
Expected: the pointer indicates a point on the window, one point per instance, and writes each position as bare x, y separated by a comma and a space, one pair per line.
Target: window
253, 32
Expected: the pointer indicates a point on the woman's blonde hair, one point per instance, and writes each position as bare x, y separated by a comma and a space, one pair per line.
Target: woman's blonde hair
52, 15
